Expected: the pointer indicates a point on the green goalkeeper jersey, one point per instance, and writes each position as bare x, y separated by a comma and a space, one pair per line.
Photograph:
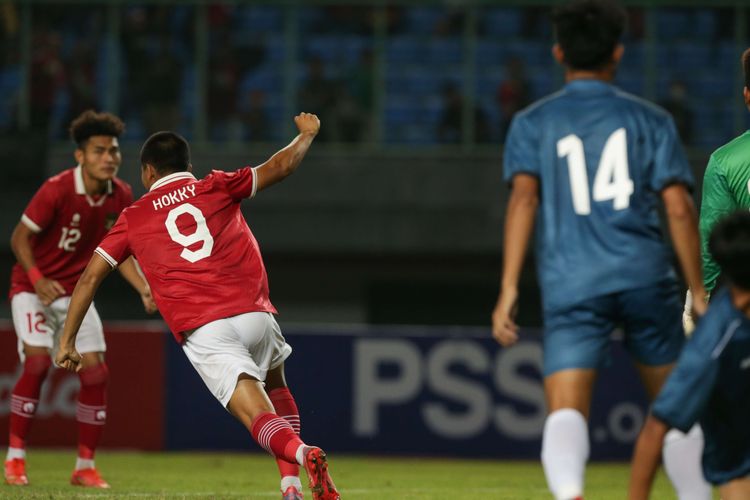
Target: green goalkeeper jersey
726, 188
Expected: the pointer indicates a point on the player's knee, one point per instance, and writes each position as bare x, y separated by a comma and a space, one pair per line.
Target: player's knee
97, 374
37, 365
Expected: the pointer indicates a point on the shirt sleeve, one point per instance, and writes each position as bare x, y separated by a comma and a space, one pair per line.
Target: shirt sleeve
670, 164
688, 389
115, 247
241, 183
717, 202
521, 149
40, 212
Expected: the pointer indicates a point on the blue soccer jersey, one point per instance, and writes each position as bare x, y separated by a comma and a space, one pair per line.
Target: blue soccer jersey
711, 383
602, 157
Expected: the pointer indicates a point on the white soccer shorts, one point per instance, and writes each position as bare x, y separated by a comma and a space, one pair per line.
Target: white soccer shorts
41, 326
224, 349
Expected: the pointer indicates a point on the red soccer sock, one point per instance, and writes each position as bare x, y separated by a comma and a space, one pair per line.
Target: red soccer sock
25, 398
276, 436
286, 408
92, 408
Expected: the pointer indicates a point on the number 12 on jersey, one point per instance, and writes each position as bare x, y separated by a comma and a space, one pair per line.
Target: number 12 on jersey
612, 180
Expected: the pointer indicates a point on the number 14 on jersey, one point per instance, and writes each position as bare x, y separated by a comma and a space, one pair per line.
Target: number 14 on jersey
612, 180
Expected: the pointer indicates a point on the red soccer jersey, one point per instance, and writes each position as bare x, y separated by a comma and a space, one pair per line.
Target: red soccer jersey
195, 248
69, 224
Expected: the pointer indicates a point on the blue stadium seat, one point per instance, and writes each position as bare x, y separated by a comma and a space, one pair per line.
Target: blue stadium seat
423, 20
672, 24
532, 53
446, 50
490, 52
503, 22
258, 19
405, 49
266, 78
704, 24
728, 56
633, 82
634, 56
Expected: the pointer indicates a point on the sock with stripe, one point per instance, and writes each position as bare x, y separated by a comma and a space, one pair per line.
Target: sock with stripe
24, 401
92, 412
286, 408
276, 436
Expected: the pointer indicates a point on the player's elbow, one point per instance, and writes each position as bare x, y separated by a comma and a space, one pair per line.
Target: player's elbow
19, 238
678, 203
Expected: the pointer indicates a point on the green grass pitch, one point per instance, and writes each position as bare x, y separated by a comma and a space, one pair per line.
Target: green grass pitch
254, 476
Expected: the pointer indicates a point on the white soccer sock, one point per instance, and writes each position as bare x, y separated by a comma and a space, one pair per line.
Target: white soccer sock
288, 481
15, 453
84, 463
565, 450
682, 462
300, 455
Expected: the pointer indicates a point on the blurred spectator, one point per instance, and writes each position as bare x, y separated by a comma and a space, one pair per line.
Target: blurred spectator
677, 105
317, 95
47, 77
223, 83
450, 122
162, 77
81, 80
254, 118
345, 19
354, 101
512, 93
451, 24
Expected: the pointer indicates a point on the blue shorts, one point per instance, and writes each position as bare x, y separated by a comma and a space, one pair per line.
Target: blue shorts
579, 336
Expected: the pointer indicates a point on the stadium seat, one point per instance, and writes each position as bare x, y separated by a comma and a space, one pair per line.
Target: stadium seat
503, 22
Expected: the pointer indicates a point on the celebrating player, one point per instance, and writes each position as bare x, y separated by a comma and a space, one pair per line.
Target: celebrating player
56, 237
710, 382
726, 188
596, 161
210, 284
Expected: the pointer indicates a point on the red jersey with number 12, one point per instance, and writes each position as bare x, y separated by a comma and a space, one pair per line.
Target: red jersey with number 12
195, 248
68, 224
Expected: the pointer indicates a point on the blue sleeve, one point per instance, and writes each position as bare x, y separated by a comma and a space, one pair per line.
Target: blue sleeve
670, 164
521, 153
685, 394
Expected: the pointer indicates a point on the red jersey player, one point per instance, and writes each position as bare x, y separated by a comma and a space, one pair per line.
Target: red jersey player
208, 279
58, 232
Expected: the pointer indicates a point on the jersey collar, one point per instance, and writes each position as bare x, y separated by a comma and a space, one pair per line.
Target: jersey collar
589, 85
167, 179
81, 188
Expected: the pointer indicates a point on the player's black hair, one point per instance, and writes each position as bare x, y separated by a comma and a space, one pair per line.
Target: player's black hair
746, 67
167, 152
730, 246
90, 123
588, 31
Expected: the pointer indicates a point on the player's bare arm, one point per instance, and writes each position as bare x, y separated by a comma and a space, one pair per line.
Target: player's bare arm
133, 275
519, 221
286, 161
83, 295
20, 242
683, 228
646, 458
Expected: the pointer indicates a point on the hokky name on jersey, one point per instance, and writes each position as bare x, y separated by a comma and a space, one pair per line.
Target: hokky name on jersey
195, 248
174, 197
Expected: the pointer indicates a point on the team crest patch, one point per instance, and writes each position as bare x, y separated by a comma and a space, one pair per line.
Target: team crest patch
109, 221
